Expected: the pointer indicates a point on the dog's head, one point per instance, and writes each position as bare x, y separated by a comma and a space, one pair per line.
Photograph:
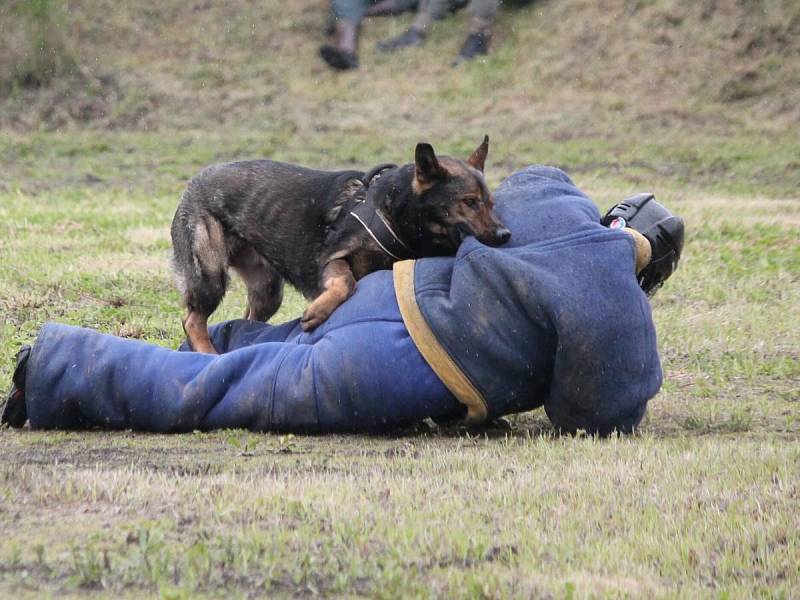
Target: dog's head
453, 199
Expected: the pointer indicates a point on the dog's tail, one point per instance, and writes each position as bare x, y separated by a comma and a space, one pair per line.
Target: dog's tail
199, 255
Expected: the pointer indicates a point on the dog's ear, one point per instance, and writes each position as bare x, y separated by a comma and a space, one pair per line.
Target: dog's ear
478, 158
427, 168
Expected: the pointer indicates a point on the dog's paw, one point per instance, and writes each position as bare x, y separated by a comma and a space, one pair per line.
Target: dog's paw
312, 318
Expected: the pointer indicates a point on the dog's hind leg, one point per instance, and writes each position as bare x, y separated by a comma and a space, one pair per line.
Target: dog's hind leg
195, 325
264, 283
201, 263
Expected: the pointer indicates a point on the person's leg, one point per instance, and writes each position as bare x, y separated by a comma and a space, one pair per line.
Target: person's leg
358, 371
482, 14
435, 10
390, 7
239, 333
428, 12
349, 10
477, 43
343, 53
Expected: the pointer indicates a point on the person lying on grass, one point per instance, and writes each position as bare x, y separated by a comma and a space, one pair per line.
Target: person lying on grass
558, 317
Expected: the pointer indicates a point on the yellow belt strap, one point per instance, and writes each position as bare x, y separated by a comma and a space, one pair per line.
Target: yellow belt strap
432, 351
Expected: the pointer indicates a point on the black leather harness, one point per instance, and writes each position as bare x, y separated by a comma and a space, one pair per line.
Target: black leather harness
373, 219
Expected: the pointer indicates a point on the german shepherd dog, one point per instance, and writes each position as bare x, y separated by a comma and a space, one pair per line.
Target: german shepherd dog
319, 230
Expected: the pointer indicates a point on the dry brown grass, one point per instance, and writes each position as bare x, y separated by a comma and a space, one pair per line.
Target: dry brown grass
717, 65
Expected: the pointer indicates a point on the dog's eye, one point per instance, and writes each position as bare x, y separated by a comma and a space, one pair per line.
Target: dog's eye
471, 201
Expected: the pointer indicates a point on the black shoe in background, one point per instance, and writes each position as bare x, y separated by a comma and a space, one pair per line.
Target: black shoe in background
410, 37
475, 44
338, 59
14, 412
342, 55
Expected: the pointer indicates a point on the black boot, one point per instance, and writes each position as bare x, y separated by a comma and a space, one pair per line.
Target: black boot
410, 37
14, 411
343, 55
475, 44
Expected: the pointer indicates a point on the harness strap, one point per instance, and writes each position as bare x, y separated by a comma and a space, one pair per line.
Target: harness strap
376, 172
362, 208
377, 225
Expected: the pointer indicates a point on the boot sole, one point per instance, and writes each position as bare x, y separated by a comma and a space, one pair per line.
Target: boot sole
337, 59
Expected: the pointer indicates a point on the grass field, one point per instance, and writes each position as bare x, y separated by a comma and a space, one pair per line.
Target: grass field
697, 102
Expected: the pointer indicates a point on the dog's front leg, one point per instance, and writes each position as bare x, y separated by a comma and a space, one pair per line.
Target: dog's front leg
338, 284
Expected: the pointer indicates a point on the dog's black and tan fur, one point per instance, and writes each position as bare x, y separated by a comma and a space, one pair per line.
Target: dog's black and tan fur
274, 222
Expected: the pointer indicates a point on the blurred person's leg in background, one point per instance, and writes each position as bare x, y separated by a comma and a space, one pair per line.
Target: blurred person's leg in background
427, 12
482, 13
342, 54
430, 11
384, 8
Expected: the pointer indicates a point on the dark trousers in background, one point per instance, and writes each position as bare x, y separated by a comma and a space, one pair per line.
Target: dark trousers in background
482, 13
350, 10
